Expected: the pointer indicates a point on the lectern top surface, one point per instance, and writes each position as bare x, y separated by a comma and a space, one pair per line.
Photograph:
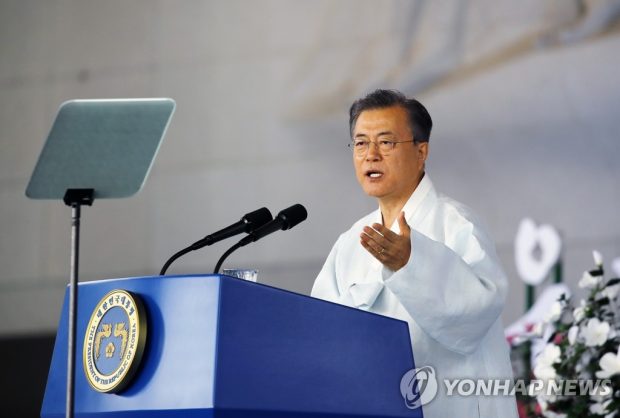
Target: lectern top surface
106, 144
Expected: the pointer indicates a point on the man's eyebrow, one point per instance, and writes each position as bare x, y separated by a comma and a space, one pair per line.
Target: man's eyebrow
383, 133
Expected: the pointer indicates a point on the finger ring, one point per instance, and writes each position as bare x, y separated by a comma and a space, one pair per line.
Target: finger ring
382, 251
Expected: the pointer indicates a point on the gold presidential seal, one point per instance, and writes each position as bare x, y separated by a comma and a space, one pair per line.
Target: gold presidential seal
114, 341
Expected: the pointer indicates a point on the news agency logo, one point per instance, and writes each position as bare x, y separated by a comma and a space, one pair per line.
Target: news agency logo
418, 386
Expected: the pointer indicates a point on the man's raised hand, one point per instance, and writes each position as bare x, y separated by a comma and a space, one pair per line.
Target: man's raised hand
391, 249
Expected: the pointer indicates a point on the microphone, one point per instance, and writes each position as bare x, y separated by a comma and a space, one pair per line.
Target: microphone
286, 219
248, 223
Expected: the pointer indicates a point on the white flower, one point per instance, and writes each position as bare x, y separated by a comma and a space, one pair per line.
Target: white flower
588, 281
554, 313
599, 408
549, 355
552, 414
598, 258
573, 332
544, 369
596, 396
610, 365
611, 292
579, 311
595, 332
544, 372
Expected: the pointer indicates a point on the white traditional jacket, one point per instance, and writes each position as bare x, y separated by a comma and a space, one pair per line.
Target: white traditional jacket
451, 293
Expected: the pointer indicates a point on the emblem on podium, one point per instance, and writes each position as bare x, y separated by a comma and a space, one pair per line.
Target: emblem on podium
114, 341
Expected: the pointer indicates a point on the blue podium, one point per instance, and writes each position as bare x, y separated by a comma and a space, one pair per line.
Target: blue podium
218, 346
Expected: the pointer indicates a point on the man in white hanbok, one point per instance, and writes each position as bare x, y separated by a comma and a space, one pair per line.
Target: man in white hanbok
422, 258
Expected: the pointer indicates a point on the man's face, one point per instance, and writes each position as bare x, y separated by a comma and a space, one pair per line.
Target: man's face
395, 175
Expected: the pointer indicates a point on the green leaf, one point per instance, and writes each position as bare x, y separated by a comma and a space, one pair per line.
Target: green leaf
612, 282
596, 272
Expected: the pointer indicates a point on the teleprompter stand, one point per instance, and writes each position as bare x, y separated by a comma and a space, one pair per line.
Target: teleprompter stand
74, 198
96, 149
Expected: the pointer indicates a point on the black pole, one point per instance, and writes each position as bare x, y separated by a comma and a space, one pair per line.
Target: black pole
74, 198
73, 296
530, 295
557, 272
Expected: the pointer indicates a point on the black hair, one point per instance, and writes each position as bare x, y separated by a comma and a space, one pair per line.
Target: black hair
420, 121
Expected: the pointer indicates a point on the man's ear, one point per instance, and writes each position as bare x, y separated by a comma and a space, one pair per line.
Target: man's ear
423, 150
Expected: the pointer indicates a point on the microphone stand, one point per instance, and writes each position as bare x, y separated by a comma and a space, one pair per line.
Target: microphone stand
174, 257
228, 252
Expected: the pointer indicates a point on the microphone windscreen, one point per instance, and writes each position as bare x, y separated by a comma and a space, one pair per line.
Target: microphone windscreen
292, 216
258, 218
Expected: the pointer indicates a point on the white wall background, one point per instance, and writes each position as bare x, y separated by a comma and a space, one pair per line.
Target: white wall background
524, 96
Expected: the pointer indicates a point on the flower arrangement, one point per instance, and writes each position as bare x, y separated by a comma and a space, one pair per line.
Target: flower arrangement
584, 349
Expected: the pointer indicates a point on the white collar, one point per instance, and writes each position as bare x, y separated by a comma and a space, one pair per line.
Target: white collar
412, 204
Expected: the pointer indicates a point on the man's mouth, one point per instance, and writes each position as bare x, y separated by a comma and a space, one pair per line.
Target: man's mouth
374, 174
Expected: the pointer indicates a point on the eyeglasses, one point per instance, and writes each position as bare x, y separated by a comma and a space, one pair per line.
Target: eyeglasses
360, 147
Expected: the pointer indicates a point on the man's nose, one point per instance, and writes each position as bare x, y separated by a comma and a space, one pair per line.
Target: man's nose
373, 153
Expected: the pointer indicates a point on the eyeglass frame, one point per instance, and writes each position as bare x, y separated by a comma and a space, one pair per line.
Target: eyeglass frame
377, 144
